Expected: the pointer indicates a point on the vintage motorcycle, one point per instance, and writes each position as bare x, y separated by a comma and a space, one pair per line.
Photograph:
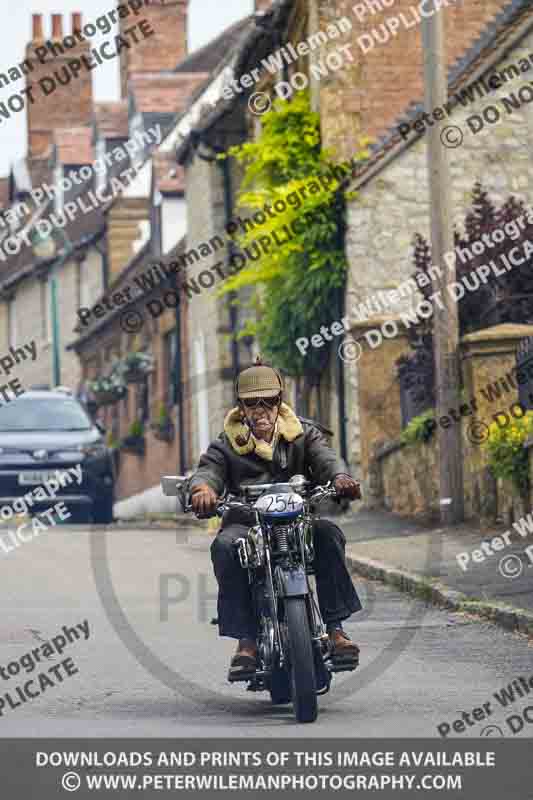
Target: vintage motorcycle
294, 657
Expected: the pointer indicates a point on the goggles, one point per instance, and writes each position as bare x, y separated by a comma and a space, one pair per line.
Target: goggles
266, 402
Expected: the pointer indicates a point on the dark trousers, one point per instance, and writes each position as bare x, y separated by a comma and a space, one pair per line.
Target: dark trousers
337, 597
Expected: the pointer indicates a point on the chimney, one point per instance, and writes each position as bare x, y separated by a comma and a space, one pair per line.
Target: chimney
37, 27
162, 51
57, 26
69, 105
76, 22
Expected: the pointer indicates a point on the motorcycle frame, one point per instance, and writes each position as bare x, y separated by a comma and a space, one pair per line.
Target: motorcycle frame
288, 584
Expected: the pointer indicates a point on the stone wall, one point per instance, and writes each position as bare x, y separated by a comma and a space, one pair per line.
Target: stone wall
405, 478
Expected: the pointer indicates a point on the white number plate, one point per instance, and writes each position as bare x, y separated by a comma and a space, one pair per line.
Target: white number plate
31, 478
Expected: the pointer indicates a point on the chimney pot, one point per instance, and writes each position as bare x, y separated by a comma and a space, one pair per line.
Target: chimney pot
76, 21
57, 26
37, 27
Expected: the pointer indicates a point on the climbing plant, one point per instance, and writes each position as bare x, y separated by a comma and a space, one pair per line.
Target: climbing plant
297, 282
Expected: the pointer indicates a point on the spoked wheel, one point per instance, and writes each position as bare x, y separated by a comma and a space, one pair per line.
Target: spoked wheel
303, 680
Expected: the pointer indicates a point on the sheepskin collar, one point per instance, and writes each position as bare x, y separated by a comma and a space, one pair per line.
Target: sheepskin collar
288, 426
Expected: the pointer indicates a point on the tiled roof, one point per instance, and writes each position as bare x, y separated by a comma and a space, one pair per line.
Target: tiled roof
253, 42
208, 57
81, 229
74, 145
112, 119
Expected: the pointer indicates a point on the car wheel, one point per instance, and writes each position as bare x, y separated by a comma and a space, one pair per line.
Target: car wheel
103, 509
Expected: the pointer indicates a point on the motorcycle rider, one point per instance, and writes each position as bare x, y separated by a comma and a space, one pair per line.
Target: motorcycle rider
265, 442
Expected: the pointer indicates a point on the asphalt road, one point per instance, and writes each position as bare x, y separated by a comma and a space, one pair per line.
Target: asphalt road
154, 666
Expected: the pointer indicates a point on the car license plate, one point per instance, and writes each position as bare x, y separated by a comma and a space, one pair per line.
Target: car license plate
32, 478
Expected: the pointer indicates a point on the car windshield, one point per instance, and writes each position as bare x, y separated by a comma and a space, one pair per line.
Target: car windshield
43, 414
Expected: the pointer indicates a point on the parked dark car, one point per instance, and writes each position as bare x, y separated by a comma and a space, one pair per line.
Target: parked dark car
45, 431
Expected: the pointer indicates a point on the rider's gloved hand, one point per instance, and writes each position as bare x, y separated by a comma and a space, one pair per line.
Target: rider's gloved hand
347, 487
204, 499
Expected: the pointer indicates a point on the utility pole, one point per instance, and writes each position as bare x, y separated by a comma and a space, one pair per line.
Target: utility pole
445, 318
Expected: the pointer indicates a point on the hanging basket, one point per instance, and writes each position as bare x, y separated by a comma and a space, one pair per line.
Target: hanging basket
135, 375
133, 444
165, 432
107, 398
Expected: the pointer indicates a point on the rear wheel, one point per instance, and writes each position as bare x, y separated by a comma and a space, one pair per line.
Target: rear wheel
303, 680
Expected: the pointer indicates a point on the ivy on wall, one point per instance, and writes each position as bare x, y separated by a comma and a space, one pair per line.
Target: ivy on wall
297, 284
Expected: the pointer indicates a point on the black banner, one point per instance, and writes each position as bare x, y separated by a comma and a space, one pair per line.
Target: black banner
487, 768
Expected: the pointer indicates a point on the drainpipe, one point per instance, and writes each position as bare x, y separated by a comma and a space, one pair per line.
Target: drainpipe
178, 385
105, 264
233, 314
341, 386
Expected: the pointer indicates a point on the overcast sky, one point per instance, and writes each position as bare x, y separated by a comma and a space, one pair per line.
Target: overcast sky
206, 19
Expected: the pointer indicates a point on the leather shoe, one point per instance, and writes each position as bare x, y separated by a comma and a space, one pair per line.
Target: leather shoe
245, 659
343, 647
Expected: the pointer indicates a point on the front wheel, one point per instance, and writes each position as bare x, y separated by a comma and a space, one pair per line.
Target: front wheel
303, 680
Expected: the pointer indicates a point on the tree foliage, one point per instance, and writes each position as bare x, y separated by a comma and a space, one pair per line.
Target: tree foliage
507, 297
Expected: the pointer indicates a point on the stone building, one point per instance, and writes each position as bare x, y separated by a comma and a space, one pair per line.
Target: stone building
393, 203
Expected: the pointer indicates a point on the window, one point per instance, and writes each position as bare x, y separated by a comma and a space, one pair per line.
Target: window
11, 323
44, 289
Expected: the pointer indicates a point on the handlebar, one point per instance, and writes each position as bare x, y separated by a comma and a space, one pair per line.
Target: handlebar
318, 494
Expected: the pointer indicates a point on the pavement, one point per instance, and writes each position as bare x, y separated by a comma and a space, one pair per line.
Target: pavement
423, 560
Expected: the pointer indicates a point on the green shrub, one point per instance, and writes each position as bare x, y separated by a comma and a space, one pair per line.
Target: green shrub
418, 429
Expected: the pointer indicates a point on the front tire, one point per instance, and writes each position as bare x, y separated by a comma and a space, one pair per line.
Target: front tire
303, 679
